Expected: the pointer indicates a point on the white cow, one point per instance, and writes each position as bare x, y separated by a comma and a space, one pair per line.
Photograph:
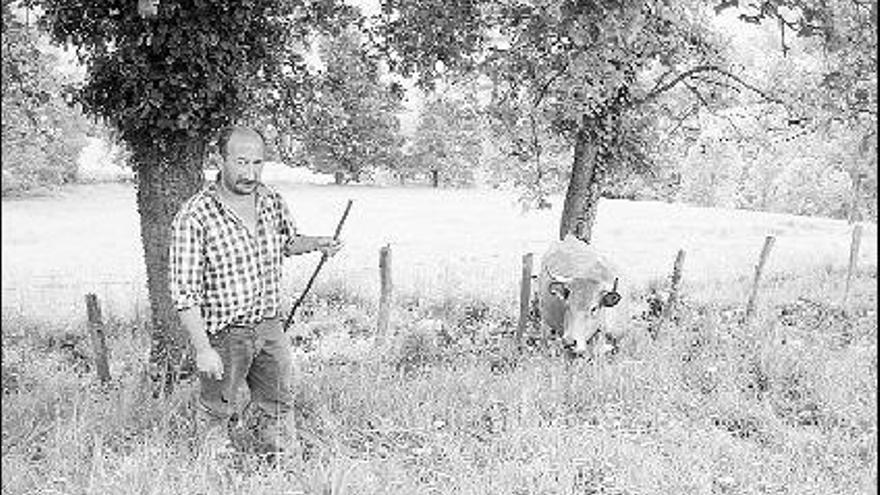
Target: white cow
579, 291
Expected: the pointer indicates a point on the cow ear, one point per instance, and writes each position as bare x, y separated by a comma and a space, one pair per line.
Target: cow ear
558, 289
610, 299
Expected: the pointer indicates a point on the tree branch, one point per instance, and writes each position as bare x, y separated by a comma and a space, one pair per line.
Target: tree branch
701, 69
709, 107
718, 83
684, 116
546, 86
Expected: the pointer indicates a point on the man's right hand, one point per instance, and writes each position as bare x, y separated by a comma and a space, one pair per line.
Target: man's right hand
209, 362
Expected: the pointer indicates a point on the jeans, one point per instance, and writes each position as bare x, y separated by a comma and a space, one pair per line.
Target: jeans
258, 355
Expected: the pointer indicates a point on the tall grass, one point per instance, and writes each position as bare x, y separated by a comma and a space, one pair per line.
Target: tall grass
786, 404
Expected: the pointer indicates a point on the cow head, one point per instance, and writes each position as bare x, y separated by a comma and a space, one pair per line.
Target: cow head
586, 302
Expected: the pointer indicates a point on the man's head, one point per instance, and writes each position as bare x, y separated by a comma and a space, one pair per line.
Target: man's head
242, 150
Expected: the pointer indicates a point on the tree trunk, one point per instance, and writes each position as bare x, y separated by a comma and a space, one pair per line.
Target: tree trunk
164, 182
338, 177
582, 196
435, 178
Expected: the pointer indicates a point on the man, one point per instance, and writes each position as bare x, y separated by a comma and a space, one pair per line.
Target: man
227, 246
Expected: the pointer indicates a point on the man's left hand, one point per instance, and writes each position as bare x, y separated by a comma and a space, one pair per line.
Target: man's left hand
329, 246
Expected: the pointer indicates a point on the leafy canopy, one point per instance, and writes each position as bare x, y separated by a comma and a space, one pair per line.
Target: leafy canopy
193, 67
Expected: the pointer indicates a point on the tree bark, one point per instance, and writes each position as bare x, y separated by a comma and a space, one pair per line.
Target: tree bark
164, 182
338, 177
582, 196
435, 178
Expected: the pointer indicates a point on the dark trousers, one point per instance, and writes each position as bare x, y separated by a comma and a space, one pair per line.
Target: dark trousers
259, 356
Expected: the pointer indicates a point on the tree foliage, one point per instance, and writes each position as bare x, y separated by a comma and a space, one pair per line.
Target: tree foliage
591, 72
448, 140
644, 95
42, 135
825, 70
350, 125
189, 70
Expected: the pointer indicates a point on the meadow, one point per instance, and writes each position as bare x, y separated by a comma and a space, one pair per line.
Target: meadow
445, 243
784, 404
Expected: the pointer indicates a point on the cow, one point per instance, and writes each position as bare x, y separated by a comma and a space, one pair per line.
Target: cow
579, 291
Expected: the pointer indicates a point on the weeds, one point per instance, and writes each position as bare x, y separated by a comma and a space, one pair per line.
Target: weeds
784, 404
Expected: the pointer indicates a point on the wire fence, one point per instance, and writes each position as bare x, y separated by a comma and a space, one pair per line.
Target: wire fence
440, 271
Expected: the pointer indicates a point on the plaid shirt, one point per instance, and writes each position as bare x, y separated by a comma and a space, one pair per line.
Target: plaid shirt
218, 265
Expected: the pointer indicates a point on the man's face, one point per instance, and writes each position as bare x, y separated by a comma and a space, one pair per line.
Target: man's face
243, 163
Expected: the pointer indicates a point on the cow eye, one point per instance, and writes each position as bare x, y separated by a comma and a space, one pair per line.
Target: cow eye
559, 289
610, 299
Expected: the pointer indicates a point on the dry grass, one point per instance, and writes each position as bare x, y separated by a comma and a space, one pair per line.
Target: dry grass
787, 405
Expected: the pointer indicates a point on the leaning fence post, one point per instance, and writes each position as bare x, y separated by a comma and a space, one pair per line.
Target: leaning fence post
672, 300
759, 268
385, 290
853, 258
96, 331
525, 297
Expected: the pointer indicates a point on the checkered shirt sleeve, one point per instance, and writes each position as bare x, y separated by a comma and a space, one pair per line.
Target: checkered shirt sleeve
186, 261
286, 225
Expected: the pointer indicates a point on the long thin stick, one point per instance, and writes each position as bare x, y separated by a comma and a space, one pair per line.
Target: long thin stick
759, 268
317, 269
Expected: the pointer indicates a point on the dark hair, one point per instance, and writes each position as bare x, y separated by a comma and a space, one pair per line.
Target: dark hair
226, 135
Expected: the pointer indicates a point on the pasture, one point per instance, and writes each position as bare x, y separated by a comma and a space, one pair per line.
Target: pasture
715, 406
445, 243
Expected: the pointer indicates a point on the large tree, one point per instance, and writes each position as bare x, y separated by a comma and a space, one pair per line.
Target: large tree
167, 76
598, 72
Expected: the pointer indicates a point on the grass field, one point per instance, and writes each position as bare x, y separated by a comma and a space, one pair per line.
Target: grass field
785, 405
444, 242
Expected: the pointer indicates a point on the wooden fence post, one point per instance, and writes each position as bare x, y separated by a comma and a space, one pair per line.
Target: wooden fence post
853, 258
96, 331
765, 253
853, 213
385, 290
525, 297
672, 300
